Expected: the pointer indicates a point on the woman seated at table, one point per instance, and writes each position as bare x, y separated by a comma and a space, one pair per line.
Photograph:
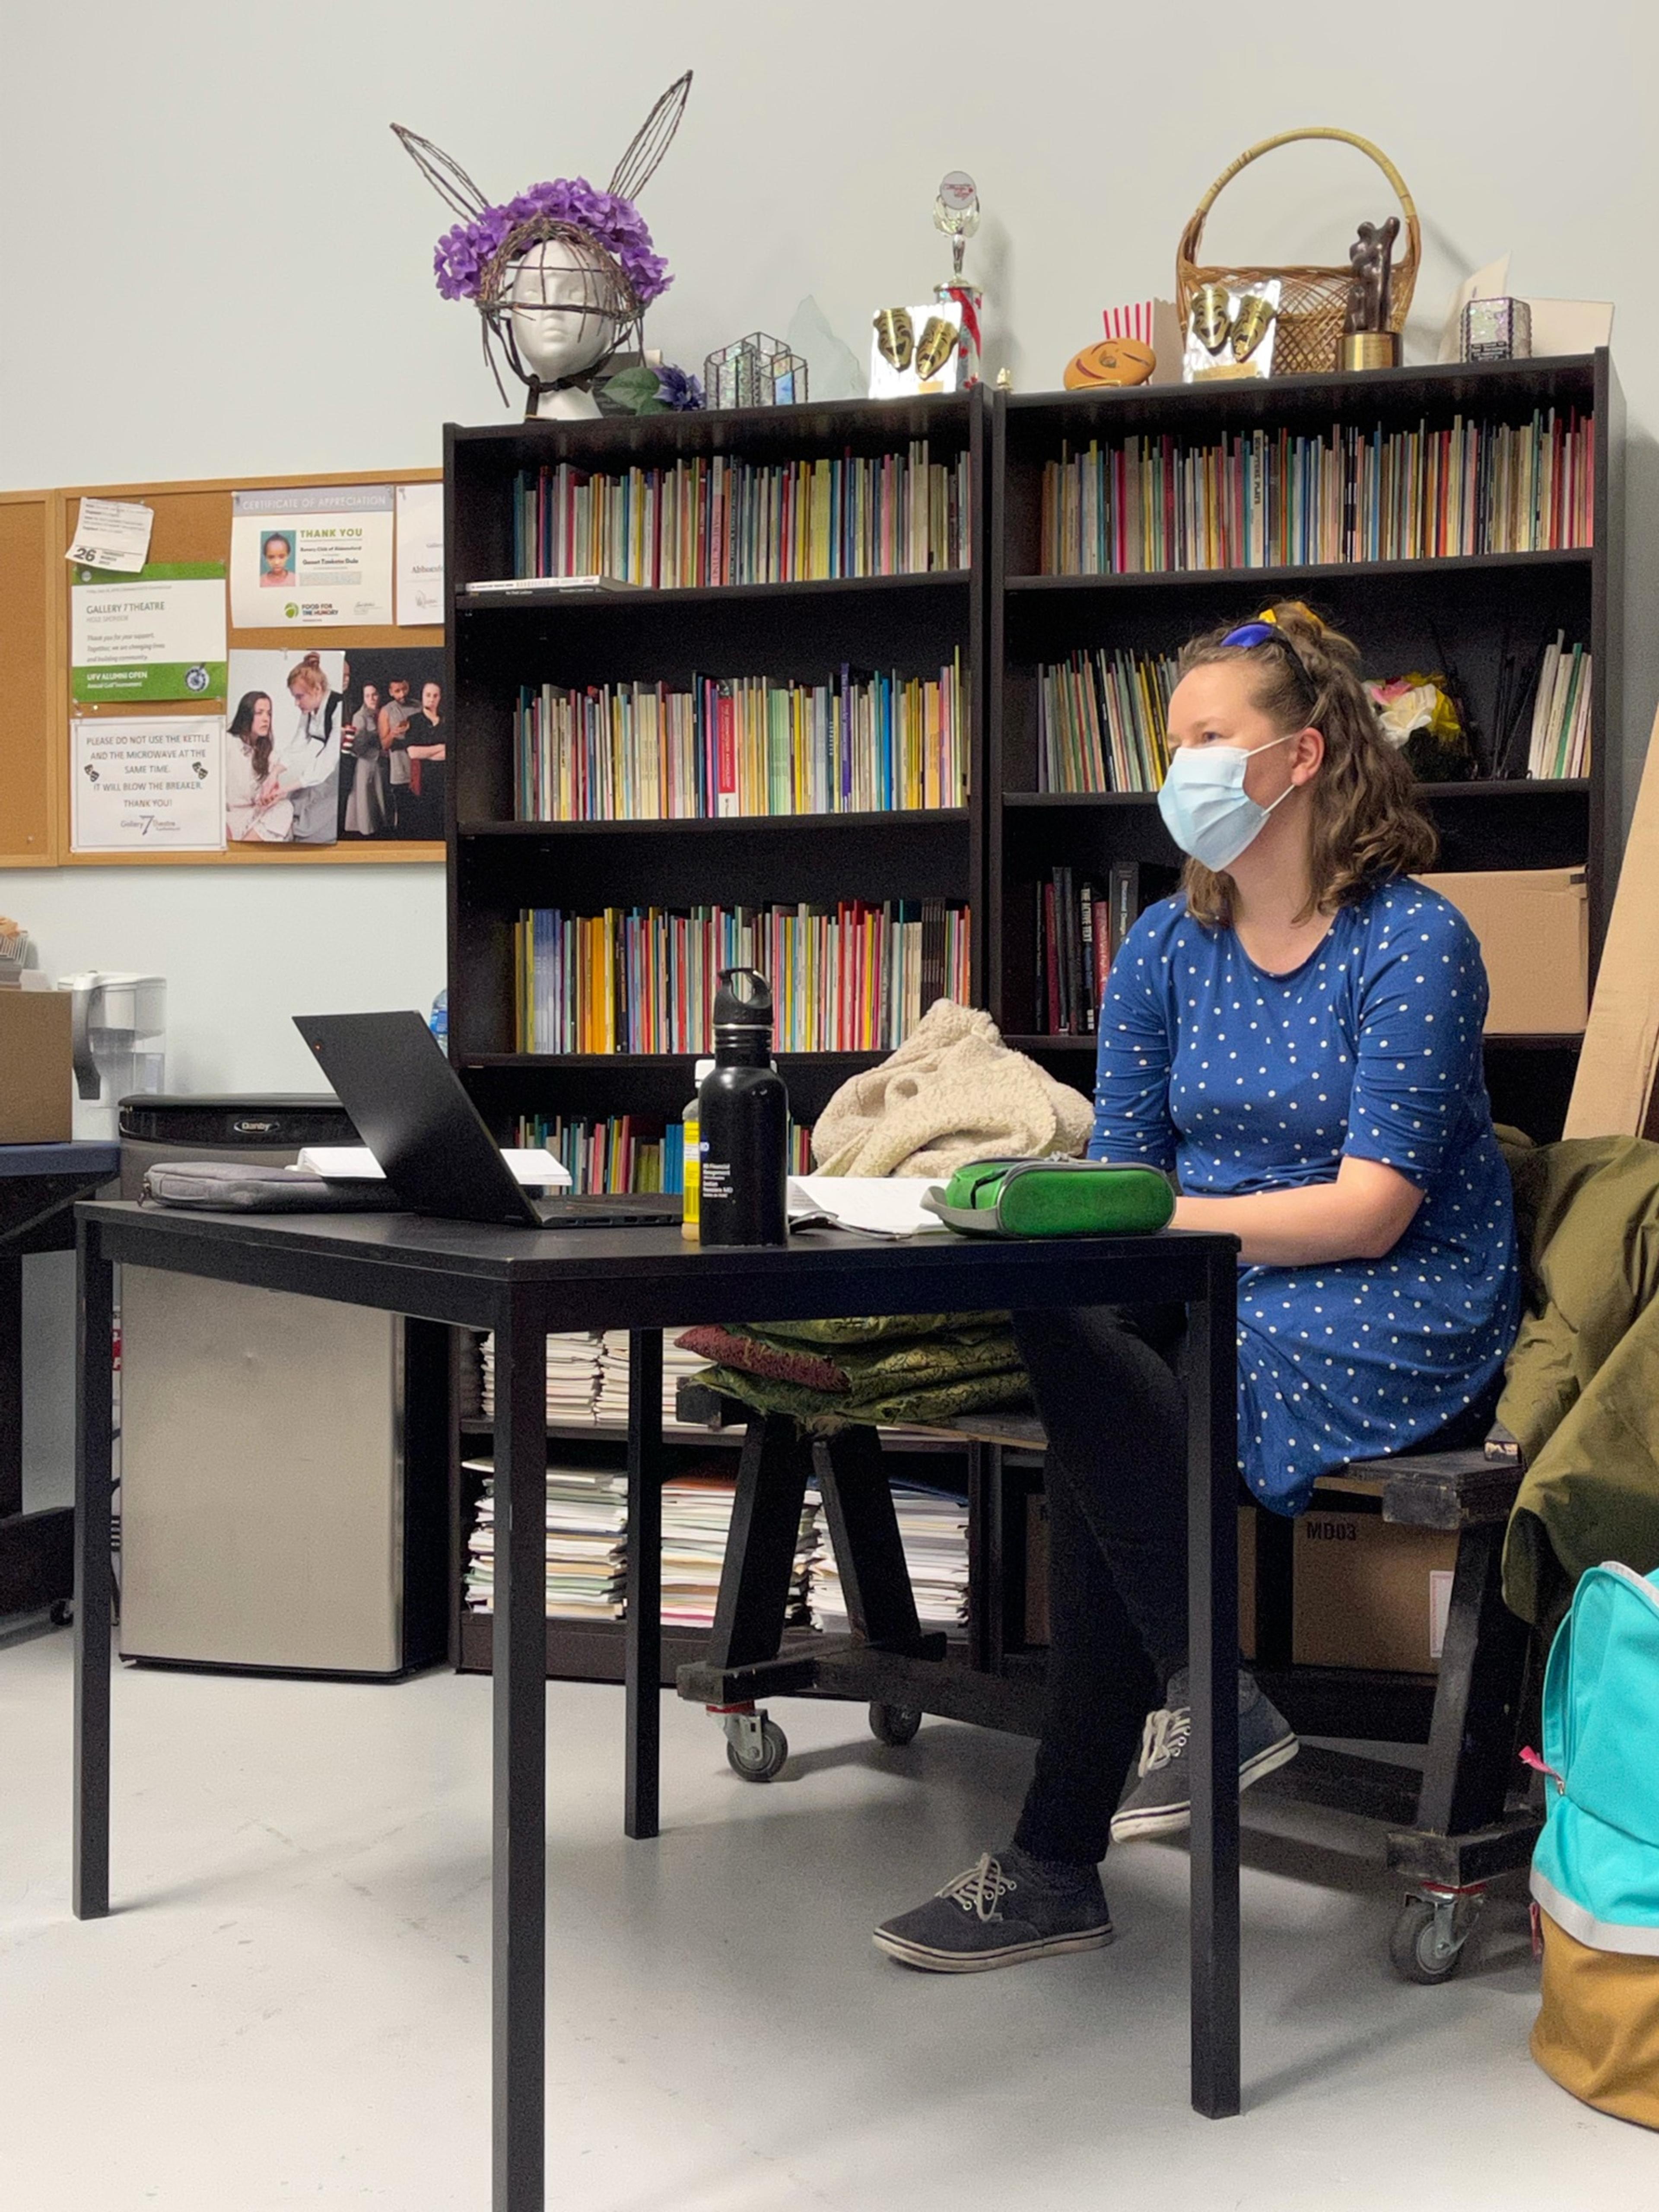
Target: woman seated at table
1296, 1035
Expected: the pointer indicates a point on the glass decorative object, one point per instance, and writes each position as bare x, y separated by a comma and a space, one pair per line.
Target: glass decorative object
755, 372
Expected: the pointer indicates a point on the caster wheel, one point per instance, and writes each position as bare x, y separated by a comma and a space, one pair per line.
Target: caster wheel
62, 1613
895, 1724
1426, 1942
755, 1747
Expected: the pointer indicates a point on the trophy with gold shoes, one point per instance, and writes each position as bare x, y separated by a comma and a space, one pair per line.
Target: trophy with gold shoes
934, 346
956, 213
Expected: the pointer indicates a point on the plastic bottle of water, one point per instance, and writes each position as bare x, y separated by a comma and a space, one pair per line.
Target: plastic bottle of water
438, 1020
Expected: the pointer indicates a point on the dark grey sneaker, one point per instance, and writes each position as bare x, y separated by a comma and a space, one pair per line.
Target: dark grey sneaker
1005, 1909
1158, 1801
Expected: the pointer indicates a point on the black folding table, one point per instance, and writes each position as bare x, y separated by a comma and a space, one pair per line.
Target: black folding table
39, 1187
523, 1284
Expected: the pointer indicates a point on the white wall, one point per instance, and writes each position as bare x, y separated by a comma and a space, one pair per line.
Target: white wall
216, 260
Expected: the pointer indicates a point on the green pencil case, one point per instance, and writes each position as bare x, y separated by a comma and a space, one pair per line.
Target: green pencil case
1052, 1198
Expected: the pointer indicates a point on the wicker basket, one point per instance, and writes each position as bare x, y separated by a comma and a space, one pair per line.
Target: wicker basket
1313, 301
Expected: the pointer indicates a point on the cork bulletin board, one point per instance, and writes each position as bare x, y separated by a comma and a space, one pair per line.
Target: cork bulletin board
192, 523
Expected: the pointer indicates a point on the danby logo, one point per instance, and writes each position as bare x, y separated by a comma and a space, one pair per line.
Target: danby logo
1345, 1531
253, 1128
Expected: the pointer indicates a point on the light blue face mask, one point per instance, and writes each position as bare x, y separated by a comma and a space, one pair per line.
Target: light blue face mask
1205, 805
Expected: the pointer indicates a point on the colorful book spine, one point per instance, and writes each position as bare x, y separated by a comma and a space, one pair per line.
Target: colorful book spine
711, 521
1080, 925
1270, 499
1560, 739
742, 745
1102, 721
630, 1152
851, 978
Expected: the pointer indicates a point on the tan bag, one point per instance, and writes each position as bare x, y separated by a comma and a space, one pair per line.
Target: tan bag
1597, 2033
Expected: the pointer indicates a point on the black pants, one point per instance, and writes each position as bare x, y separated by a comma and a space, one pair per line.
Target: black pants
1107, 1382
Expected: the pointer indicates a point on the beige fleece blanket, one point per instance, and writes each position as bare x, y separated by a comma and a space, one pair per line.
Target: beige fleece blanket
953, 1092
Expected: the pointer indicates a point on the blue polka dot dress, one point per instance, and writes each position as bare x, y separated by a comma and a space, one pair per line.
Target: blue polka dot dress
1244, 1081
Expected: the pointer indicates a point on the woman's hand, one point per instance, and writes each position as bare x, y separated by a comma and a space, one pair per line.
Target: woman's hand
1362, 1215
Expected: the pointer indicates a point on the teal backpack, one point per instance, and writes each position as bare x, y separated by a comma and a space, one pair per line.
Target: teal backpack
1596, 1870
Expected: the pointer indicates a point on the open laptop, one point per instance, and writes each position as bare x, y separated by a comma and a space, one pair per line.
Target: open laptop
410, 1109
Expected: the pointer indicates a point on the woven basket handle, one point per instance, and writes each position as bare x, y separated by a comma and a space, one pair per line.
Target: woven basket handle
1192, 237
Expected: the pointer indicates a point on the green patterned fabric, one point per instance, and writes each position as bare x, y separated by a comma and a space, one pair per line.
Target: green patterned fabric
877, 1328
922, 1405
902, 1368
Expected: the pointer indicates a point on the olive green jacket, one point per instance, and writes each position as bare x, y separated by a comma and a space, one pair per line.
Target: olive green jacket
1582, 1394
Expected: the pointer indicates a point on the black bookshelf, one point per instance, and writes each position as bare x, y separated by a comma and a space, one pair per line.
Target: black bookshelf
1005, 618
499, 865
1407, 614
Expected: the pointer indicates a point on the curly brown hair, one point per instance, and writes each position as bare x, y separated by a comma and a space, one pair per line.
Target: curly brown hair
1366, 825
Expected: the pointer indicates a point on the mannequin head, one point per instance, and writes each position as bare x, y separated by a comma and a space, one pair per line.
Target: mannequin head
559, 306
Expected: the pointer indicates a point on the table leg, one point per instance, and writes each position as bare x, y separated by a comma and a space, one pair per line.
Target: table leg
642, 1635
519, 1903
95, 1445
11, 1384
1213, 1601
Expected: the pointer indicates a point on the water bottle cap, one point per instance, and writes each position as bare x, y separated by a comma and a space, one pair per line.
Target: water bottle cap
748, 1008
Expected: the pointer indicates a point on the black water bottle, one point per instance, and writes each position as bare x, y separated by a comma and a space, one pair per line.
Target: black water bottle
744, 1121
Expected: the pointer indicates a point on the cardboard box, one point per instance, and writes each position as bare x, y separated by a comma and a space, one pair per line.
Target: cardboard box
35, 1075
1036, 1573
1613, 1092
1368, 1593
1533, 928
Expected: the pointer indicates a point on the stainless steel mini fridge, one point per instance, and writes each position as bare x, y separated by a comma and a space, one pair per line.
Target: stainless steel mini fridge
283, 1461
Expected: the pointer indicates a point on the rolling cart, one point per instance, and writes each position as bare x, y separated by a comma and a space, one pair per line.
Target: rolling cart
1466, 1819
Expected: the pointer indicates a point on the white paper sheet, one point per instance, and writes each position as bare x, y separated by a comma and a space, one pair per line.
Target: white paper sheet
888, 1204
147, 784
319, 557
535, 1170
419, 554
112, 533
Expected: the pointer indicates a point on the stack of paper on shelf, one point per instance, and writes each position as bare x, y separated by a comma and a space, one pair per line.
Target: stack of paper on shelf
573, 1377
587, 1376
586, 1528
611, 1402
697, 1519
933, 1529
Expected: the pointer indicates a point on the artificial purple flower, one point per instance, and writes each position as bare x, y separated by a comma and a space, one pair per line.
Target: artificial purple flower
678, 388
616, 224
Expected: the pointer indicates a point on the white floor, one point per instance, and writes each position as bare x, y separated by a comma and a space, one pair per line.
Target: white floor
291, 2003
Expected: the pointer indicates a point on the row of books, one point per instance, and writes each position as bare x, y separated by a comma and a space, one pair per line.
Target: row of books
1274, 499
630, 1152
849, 978
586, 1545
1081, 924
863, 743
1560, 744
715, 520
1102, 721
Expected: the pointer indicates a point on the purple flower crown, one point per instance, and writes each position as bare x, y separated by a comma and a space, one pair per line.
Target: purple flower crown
463, 254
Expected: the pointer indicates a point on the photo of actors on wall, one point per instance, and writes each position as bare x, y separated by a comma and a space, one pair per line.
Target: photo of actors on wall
336, 745
395, 726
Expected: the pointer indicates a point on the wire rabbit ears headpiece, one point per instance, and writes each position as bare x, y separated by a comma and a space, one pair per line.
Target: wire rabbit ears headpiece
472, 260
